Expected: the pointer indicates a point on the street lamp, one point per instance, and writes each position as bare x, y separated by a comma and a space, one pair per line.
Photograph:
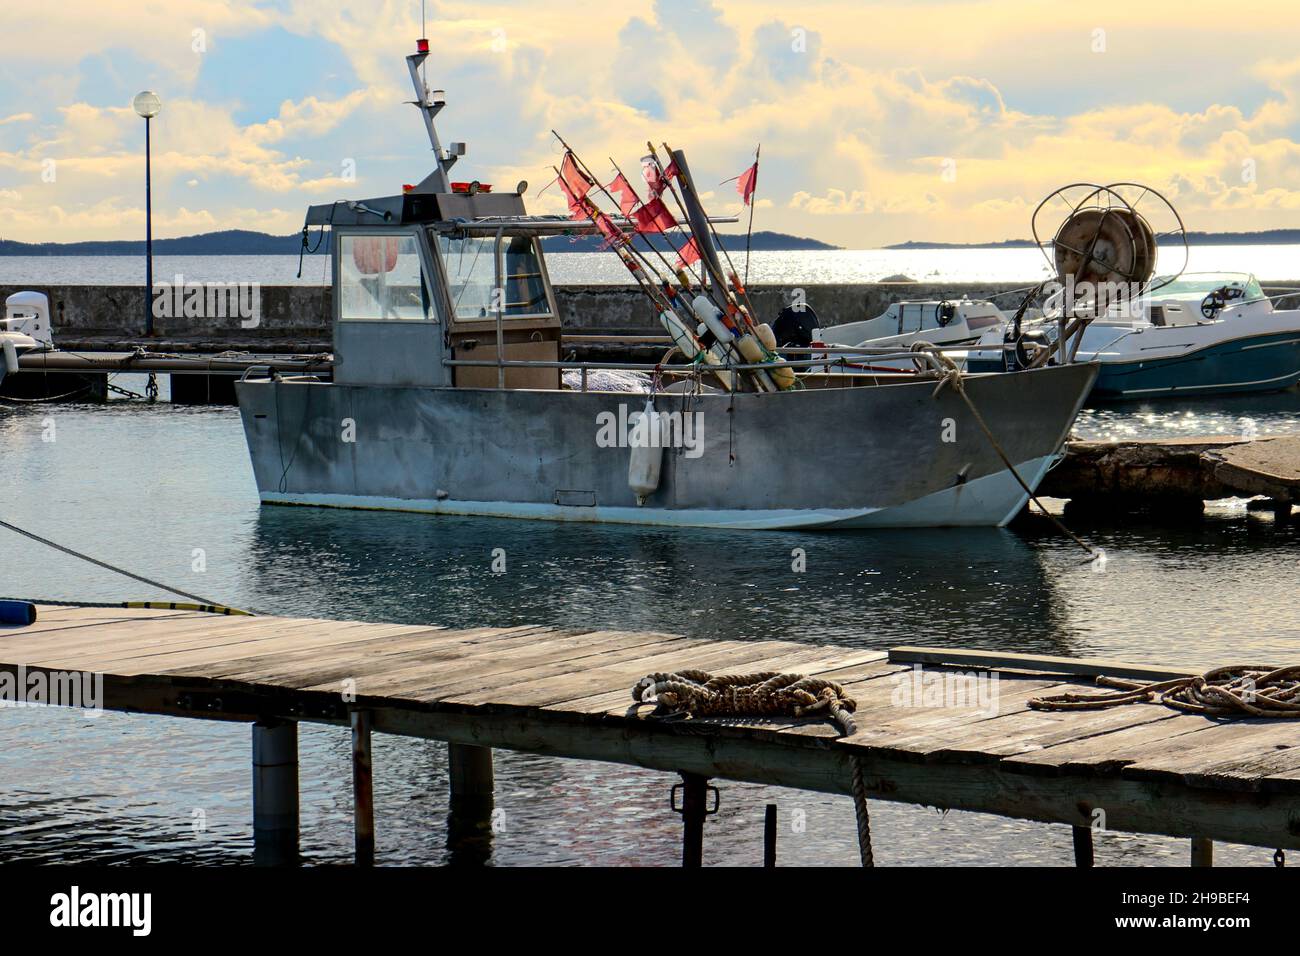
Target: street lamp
148, 105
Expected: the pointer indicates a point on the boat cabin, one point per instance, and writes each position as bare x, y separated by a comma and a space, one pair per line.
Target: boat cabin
415, 280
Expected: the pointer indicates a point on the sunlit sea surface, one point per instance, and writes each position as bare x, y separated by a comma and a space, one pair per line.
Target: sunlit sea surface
144, 486
1275, 263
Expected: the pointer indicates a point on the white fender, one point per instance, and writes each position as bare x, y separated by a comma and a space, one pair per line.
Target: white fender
646, 461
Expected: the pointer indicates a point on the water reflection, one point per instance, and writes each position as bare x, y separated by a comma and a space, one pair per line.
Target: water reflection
872, 589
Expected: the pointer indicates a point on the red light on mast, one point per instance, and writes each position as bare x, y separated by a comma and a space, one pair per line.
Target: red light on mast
422, 45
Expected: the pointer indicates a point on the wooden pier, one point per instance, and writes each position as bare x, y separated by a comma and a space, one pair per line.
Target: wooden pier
1140, 768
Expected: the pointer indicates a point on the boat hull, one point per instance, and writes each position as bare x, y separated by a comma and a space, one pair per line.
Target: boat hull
1258, 363
835, 458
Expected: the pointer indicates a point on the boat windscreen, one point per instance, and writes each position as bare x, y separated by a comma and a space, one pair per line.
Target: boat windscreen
381, 278
470, 264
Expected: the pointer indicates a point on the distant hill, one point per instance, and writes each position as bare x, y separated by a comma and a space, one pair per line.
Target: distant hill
1264, 237
242, 242
760, 242
231, 242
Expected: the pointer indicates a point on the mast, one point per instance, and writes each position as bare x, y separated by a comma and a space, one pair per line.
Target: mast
430, 105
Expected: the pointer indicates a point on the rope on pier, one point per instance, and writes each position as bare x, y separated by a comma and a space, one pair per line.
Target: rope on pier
860, 811
218, 608
696, 693
1237, 690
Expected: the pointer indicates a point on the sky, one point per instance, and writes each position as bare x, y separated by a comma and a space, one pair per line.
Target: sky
879, 122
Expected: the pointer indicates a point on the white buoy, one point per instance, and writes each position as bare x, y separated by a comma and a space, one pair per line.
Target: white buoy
647, 456
11, 357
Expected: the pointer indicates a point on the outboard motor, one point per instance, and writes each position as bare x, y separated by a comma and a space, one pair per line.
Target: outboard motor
28, 313
794, 328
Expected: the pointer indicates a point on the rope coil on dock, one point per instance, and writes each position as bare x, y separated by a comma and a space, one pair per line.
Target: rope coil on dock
696, 693
1236, 690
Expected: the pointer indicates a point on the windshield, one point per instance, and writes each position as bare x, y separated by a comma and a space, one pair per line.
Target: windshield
1199, 284
470, 262
381, 278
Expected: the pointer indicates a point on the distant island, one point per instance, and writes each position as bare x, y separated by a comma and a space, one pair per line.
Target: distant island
242, 242
1264, 237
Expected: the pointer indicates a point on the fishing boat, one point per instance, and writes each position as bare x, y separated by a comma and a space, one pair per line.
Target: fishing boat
448, 397
1195, 335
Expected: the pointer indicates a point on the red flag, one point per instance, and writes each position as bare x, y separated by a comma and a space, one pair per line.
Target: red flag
577, 209
669, 174
627, 197
614, 236
654, 217
573, 177
746, 182
689, 255
655, 178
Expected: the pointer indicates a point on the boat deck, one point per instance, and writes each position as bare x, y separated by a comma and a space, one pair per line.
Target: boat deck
1147, 768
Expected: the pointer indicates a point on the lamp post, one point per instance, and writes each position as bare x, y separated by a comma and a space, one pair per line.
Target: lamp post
148, 105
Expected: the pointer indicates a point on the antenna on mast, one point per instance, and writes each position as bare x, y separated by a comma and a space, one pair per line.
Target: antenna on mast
431, 104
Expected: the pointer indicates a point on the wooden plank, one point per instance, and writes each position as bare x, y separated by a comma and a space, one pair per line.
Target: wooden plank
156, 654
1116, 749
1211, 757
564, 653
705, 655
1079, 666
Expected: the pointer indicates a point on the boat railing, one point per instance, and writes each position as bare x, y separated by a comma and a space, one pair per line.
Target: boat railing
927, 361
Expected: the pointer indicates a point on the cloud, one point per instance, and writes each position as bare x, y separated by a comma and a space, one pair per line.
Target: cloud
865, 140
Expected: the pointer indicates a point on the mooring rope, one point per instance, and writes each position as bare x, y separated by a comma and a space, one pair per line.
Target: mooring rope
860, 812
952, 376
696, 693
1236, 690
122, 571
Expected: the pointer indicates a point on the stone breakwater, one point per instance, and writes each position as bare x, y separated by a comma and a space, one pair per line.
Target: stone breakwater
297, 318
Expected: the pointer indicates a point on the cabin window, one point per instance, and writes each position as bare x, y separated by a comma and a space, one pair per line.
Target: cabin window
381, 278
470, 263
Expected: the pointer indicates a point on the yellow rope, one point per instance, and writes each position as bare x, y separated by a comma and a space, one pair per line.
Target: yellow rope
176, 606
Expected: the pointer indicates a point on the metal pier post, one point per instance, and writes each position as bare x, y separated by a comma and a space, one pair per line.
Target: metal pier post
694, 808
1082, 846
1202, 852
769, 835
275, 793
363, 796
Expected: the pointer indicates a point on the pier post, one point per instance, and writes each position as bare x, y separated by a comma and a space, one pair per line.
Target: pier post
1202, 852
1082, 846
694, 808
469, 825
275, 793
363, 795
769, 836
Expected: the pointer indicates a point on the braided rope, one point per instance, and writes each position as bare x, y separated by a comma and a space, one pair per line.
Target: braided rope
1237, 690
696, 693
860, 811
